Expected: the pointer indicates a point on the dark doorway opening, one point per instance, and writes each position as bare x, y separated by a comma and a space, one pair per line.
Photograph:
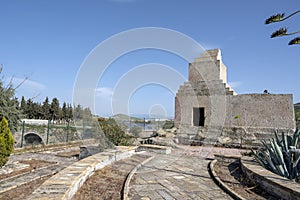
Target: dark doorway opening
198, 116
32, 138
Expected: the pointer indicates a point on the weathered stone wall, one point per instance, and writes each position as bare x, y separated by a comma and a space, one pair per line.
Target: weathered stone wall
261, 110
227, 117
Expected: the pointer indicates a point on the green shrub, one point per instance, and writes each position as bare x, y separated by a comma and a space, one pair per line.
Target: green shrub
168, 124
135, 130
281, 155
113, 132
6, 142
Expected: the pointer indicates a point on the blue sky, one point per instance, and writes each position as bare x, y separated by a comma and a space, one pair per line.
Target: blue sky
47, 41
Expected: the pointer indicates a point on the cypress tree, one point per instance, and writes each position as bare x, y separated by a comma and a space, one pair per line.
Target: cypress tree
6, 142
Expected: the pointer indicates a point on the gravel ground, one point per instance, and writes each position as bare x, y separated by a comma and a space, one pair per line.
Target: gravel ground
231, 174
108, 182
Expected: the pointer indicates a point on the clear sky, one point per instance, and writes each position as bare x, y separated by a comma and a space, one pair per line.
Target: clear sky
47, 41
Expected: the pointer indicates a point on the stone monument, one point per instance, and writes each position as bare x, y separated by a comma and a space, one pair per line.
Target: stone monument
207, 110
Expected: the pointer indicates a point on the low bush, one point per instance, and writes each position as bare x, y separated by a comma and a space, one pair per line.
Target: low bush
6, 142
113, 132
168, 124
135, 130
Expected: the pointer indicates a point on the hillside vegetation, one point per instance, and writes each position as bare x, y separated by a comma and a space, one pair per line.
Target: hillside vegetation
297, 114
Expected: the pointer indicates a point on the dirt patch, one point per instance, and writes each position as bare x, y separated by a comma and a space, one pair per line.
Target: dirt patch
33, 164
23, 191
108, 182
69, 154
231, 174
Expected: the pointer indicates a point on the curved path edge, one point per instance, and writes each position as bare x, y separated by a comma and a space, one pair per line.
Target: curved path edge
274, 184
66, 183
130, 175
220, 183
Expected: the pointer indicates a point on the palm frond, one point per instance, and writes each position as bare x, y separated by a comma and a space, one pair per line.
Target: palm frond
295, 41
275, 18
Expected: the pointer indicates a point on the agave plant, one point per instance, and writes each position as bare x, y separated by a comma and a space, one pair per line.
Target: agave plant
281, 156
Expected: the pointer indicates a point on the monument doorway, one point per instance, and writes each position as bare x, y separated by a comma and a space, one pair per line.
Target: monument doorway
198, 116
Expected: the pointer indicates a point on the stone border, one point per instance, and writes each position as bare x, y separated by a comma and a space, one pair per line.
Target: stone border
66, 183
272, 183
220, 183
130, 175
154, 148
2, 190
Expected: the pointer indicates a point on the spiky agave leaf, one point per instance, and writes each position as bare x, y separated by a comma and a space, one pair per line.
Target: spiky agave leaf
285, 142
295, 41
276, 136
279, 32
296, 137
259, 158
275, 18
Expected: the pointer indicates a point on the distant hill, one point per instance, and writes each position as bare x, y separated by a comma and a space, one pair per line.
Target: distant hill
123, 117
297, 114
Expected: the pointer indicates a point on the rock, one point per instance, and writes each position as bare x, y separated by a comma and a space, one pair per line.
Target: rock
154, 134
163, 141
170, 135
161, 133
176, 140
224, 140
86, 151
172, 130
199, 136
136, 141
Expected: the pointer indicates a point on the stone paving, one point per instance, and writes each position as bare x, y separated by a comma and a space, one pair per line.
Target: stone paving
108, 182
183, 174
13, 182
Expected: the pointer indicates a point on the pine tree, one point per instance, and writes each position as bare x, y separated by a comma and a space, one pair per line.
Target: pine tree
69, 112
64, 114
55, 109
8, 104
29, 109
37, 110
23, 106
78, 112
46, 109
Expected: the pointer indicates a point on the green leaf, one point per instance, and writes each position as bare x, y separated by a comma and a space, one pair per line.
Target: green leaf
297, 158
280, 32
295, 41
280, 157
277, 137
280, 170
275, 18
285, 142
295, 137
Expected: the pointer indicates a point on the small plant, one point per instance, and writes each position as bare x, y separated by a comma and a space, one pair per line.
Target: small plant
6, 142
168, 124
281, 156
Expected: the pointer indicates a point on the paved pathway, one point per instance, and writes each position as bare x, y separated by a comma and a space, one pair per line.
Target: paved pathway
175, 177
14, 182
183, 174
108, 182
